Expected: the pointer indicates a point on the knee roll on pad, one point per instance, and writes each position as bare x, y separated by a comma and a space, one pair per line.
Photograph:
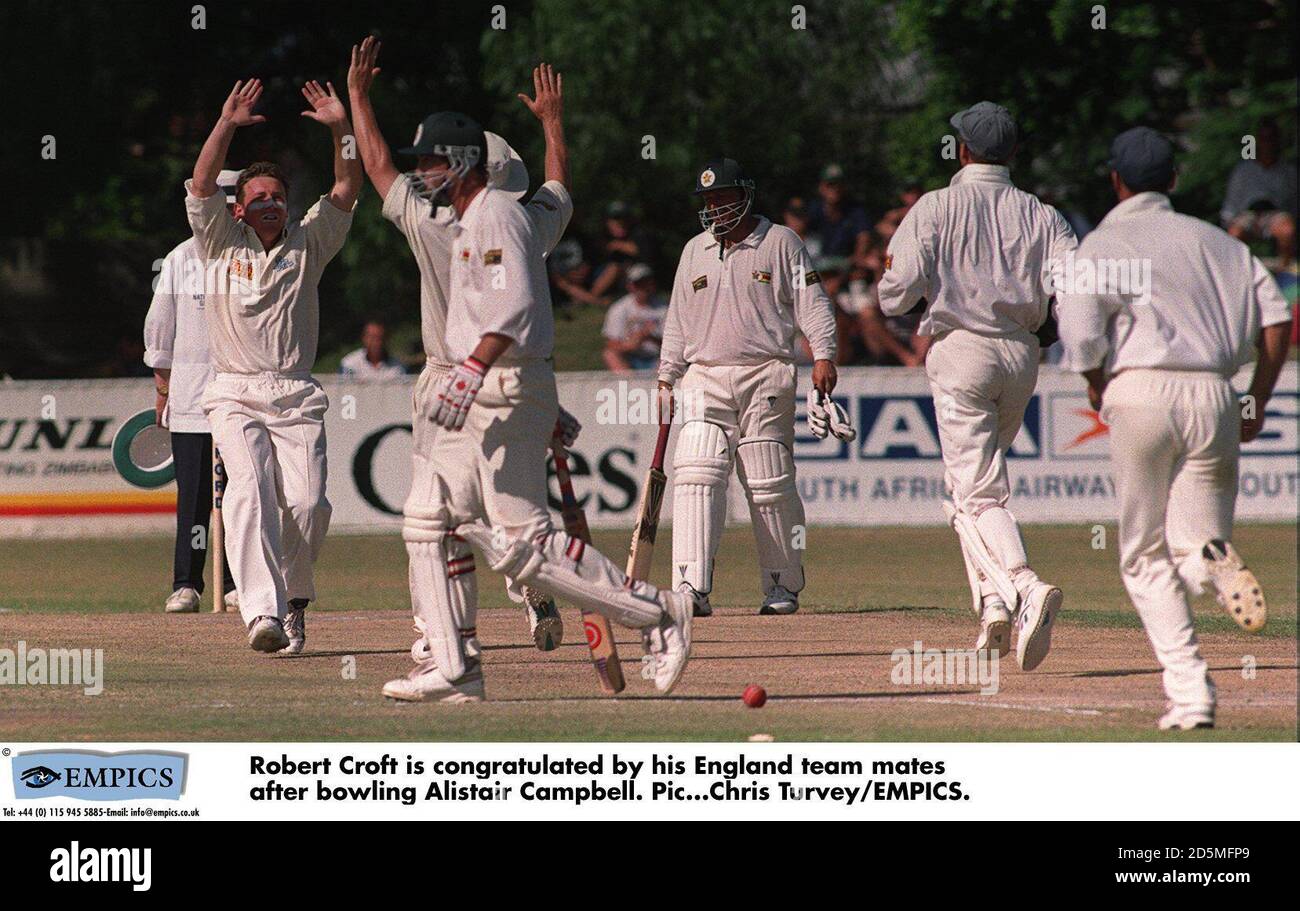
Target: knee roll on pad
701, 469
767, 473
703, 455
768, 468
423, 523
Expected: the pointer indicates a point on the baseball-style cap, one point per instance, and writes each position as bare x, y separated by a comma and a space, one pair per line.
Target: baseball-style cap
719, 174
988, 130
638, 272
832, 173
226, 182
618, 209
1143, 159
447, 128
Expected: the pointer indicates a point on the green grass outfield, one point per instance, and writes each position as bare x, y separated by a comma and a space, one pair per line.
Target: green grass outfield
869, 592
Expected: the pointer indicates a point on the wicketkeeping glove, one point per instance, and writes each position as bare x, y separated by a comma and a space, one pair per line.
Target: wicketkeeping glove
824, 416
567, 429
457, 393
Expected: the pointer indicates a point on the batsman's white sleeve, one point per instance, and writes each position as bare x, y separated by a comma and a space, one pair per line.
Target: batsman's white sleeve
909, 262
813, 310
327, 228
549, 212
672, 356
160, 322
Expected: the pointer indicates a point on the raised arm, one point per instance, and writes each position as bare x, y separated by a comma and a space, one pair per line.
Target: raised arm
375, 155
548, 107
326, 108
235, 113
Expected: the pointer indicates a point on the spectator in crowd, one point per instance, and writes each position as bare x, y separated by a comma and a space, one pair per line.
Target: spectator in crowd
834, 272
1260, 203
625, 243
889, 223
634, 326
371, 362
841, 227
890, 341
797, 218
571, 277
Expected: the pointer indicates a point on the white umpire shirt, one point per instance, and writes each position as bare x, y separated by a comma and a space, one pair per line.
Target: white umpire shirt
176, 337
1205, 300
264, 313
498, 282
430, 234
980, 251
743, 307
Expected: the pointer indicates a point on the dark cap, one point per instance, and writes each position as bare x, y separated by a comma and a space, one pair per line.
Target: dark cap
832, 173
618, 209
719, 174
987, 129
1143, 159
447, 128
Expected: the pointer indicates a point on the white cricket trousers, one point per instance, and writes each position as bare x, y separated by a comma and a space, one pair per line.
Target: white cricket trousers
1175, 439
270, 430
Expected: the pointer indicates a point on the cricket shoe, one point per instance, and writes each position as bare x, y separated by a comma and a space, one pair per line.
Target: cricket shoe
1185, 718
182, 601
265, 634
1039, 604
669, 644
295, 626
231, 601
779, 600
1236, 588
544, 621
995, 629
426, 683
702, 606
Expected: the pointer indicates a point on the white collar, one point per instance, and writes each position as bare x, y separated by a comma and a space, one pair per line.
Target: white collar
983, 173
1138, 204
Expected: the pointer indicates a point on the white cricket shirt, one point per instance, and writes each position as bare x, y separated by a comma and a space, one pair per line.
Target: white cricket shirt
1208, 296
176, 336
743, 308
980, 251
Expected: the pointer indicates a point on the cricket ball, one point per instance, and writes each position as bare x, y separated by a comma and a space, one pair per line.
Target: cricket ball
754, 696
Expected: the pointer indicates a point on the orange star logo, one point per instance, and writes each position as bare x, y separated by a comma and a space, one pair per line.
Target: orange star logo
1098, 429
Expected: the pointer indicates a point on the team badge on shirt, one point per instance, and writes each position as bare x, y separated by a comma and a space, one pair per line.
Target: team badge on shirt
763, 278
464, 255
492, 258
241, 269
812, 277
700, 283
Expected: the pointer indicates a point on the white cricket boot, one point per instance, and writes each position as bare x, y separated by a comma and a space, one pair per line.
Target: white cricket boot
426, 683
544, 621
669, 643
779, 600
182, 601
702, 606
265, 634
1236, 588
1185, 718
295, 626
1039, 605
995, 629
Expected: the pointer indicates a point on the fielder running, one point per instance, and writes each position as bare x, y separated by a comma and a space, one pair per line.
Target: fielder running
980, 251
743, 286
1158, 356
430, 231
495, 412
266, 410
176, 347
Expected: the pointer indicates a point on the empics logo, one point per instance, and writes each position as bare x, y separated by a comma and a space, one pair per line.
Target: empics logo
76, 864
88, 775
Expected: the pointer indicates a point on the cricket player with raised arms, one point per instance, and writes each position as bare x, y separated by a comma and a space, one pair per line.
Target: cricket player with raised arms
493, 415
1158, 360
743, 288
266, 410
980, 252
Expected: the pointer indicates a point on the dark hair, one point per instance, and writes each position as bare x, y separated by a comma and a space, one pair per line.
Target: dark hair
259, 169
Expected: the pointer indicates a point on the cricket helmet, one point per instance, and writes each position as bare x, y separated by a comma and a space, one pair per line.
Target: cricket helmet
458, 138
722, 174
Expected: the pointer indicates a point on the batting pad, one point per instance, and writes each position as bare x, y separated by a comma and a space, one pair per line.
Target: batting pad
701, 467
767, 474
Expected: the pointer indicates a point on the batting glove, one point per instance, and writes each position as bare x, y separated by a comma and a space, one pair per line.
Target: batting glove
824, 416
567, 429
457, 393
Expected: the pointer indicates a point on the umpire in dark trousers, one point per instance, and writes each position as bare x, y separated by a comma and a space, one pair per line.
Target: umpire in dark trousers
176, 347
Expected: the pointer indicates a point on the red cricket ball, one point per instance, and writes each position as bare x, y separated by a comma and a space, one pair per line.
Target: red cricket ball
754, 696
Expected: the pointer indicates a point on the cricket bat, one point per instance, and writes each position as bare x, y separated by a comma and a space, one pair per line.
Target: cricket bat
642, 551
217, 532
600, 638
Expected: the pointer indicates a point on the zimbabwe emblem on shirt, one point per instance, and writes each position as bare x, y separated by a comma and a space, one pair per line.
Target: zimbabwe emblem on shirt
812, 277
763, 278
700, 283
492, 258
